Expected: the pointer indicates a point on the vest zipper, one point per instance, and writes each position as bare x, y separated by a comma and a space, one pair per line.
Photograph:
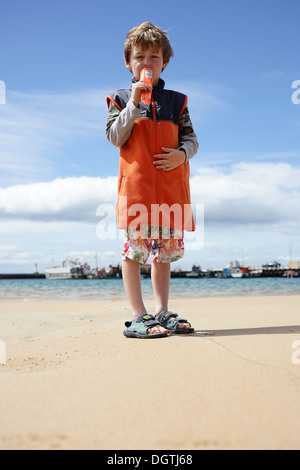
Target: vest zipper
155, 146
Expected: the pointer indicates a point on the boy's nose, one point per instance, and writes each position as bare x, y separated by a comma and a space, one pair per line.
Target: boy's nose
147, 63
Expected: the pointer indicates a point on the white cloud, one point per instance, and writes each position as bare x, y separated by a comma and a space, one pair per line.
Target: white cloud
12, 254
33, 127
69, 199
249, 193
246, 193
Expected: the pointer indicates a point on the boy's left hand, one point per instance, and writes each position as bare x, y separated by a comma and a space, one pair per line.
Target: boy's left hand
169, 160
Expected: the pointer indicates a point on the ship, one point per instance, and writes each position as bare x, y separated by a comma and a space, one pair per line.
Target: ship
69, 270
234, 270
237, 271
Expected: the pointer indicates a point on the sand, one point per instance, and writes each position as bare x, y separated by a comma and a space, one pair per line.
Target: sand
72, 381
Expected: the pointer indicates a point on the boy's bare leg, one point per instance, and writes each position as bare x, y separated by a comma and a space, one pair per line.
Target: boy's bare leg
160, 275
132, 283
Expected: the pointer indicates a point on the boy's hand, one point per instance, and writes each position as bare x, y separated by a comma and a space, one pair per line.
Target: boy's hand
137, 91
169, 160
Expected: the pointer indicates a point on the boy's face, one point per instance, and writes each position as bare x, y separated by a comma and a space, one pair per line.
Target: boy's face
148, 58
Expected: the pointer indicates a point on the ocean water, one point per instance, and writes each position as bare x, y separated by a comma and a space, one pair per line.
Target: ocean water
112, 289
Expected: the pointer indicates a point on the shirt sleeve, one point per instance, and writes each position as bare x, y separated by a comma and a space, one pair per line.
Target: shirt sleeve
119, 124
187, 137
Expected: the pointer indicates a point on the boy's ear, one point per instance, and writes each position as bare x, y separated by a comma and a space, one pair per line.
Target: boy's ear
164, 66
128, 66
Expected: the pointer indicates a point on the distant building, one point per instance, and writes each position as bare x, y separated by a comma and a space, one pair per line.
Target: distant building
294, 264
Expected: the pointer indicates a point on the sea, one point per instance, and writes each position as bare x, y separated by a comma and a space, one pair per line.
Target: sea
113, 289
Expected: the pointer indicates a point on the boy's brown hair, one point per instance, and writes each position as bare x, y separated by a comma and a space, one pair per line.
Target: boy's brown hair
146, 34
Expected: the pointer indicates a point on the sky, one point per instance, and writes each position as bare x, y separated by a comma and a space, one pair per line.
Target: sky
237, 61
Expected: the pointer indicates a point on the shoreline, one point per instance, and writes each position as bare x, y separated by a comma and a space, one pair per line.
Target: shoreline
123, 299
73, 381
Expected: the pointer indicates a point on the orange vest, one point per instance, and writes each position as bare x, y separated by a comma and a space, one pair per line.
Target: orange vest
147, 195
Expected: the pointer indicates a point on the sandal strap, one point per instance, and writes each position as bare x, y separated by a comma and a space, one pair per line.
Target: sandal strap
164, 316
143, 322
147, 319
170, 319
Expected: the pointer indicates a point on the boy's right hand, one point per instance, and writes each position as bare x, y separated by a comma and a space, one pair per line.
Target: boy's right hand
136, 93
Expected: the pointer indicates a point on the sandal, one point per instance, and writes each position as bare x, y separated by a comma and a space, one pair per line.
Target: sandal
139, 327
171, 321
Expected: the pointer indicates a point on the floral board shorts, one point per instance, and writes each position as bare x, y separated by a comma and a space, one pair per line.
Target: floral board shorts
162, 244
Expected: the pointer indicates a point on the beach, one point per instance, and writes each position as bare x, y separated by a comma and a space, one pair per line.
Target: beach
73, 381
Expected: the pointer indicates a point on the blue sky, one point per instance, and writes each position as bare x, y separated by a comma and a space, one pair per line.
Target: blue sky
236, 60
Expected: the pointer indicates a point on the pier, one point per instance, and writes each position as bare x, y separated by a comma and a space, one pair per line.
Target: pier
23, 276
197, 273
115, 272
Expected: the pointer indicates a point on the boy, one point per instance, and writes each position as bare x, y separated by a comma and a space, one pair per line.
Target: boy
156, 142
